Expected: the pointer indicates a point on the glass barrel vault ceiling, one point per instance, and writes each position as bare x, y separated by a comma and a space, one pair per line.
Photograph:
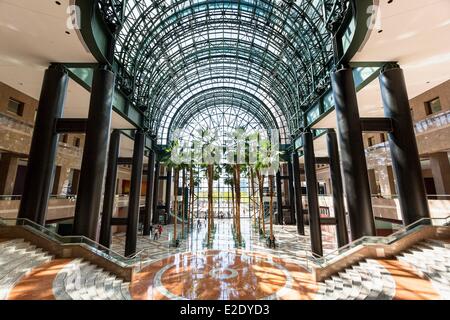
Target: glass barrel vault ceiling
269, 59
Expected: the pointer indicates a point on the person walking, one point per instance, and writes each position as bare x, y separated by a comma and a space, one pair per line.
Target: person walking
151, 229
160, 230
155, 234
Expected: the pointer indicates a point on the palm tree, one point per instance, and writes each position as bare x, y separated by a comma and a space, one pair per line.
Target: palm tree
208, 142
170, 164
183, 198
190, 213
237, 185
252, 188
261, 220
251, 170
271, 206
210, 175
230, 182
175, 203
268, 166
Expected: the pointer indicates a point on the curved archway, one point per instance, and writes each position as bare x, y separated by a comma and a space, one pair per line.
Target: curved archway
278, 51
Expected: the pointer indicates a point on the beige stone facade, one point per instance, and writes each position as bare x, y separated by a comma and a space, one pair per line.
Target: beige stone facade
433, 141
16, 131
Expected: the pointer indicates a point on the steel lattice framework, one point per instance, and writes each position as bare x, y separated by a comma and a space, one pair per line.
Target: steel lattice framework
270, 59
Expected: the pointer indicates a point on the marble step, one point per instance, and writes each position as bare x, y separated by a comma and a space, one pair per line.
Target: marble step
437, 243
17, 259
10, 252
430, 259
80, 280
20, 259
10, 242
366, 281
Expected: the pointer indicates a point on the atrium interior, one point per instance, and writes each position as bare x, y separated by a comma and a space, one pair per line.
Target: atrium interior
224, 150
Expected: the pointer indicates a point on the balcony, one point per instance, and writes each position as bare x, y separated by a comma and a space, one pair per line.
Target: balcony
431, 134
433, 122
16, 138
59, 206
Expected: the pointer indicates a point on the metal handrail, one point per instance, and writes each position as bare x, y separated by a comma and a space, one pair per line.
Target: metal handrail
432, 122
90, 244
399, 234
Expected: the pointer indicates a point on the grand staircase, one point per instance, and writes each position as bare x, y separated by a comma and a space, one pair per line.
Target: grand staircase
369, 280
78, 280
431, 259
81, 280
18, 258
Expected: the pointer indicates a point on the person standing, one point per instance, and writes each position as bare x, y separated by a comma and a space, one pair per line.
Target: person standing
151, 229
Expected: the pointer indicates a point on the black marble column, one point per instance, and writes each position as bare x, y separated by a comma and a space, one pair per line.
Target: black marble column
149, 193
298, 193
94, 154
110, 189
41, 161
354, 166
279, 198
168, 194
135, 194
403, 145
338, 191
312, 193
155, 217
291, 192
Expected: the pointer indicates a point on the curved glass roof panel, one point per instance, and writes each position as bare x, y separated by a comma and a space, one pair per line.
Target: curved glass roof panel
220, 121
266, 57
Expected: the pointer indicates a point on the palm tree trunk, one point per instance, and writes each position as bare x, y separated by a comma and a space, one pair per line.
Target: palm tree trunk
191, 195
238, 202
271, 205
252, 181
233, 187
210, 213
183, 199
233, 211
175, 204
261, 202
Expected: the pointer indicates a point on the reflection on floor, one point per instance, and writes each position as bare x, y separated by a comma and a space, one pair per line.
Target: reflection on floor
223, 275
194, 271
290, 245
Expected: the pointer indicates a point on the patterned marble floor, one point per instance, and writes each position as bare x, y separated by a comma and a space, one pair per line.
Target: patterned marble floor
290, 246
223, 275
193, 271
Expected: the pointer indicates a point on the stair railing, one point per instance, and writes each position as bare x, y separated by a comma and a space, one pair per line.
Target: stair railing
313, 260
136, 260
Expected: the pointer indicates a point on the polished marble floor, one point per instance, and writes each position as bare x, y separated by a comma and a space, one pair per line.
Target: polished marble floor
222, 271
223, 275
290, 246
